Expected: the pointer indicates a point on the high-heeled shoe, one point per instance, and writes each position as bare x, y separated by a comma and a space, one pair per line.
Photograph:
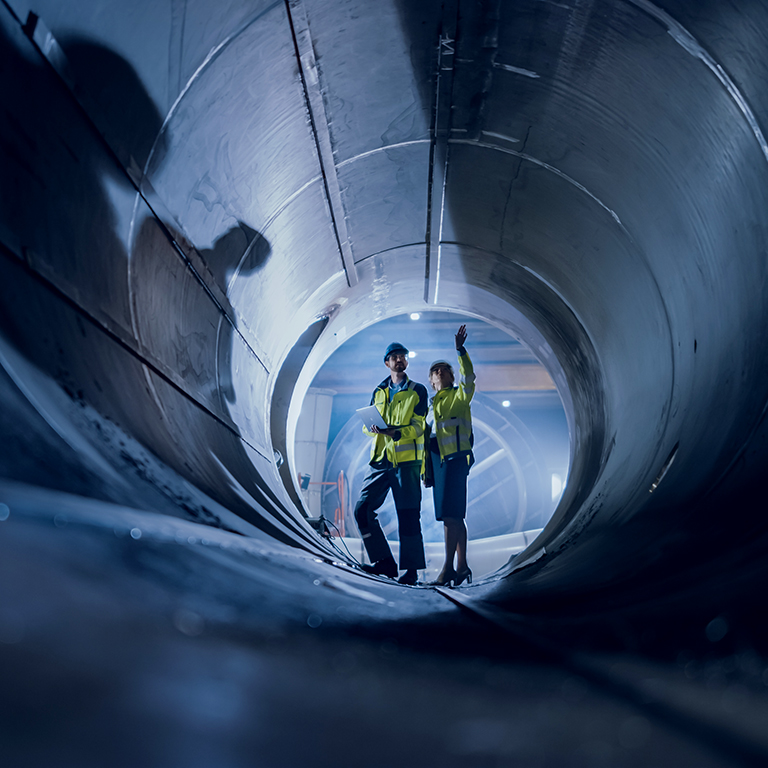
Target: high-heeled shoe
462, 576
445, 580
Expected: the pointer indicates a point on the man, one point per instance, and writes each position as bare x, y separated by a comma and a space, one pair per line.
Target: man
396, 457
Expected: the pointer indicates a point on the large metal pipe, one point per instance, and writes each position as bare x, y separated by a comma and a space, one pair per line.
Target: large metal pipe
198, 210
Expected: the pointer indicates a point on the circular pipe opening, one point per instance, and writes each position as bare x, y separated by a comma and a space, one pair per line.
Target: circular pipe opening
521, 441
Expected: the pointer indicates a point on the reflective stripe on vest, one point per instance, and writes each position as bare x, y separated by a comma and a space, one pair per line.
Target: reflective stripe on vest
409, 447
393, 411
448, 444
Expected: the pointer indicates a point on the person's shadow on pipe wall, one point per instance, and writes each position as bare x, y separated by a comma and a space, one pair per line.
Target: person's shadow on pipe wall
174, 314
174, 311
177, 319
55, 200
65, 202
239, 253
61, 248
114, 97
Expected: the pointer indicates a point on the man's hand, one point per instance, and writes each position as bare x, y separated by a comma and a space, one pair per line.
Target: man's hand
389, 432
461, 337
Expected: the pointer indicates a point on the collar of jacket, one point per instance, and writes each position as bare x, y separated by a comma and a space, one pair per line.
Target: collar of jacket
444, 389
385, 384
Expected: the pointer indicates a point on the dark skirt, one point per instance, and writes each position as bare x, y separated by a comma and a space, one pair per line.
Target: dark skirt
450, 488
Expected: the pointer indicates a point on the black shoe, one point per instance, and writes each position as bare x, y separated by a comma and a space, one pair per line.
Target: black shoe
386, 567
444, 579
409, 577
466, 574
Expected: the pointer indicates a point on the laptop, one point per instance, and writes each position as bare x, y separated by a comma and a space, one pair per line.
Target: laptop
371, 417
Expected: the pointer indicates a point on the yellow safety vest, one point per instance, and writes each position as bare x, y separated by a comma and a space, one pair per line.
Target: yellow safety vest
406, 411
450, 417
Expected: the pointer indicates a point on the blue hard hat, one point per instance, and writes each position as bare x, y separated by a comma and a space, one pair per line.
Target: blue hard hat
395, 346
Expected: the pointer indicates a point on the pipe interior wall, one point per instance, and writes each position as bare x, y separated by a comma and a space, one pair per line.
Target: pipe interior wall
170, 229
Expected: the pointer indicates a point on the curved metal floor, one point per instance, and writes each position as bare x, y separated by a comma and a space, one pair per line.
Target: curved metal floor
199, 207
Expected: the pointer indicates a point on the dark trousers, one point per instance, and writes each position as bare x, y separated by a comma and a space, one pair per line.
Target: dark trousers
404, 482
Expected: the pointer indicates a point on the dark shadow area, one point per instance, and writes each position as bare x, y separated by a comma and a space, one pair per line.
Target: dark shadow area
50, 174
114, 97
128, 409
187, 644
239, 248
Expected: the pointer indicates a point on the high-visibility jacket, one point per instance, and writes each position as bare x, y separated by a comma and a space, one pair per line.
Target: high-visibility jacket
406, 411
450, 418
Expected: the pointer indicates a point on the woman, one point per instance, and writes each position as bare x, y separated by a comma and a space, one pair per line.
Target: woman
450, 423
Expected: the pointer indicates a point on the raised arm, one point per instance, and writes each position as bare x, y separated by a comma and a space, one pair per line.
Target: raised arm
466, 371
461, 337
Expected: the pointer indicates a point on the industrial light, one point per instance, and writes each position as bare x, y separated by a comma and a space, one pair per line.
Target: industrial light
412, 354
506, 403
415, 315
